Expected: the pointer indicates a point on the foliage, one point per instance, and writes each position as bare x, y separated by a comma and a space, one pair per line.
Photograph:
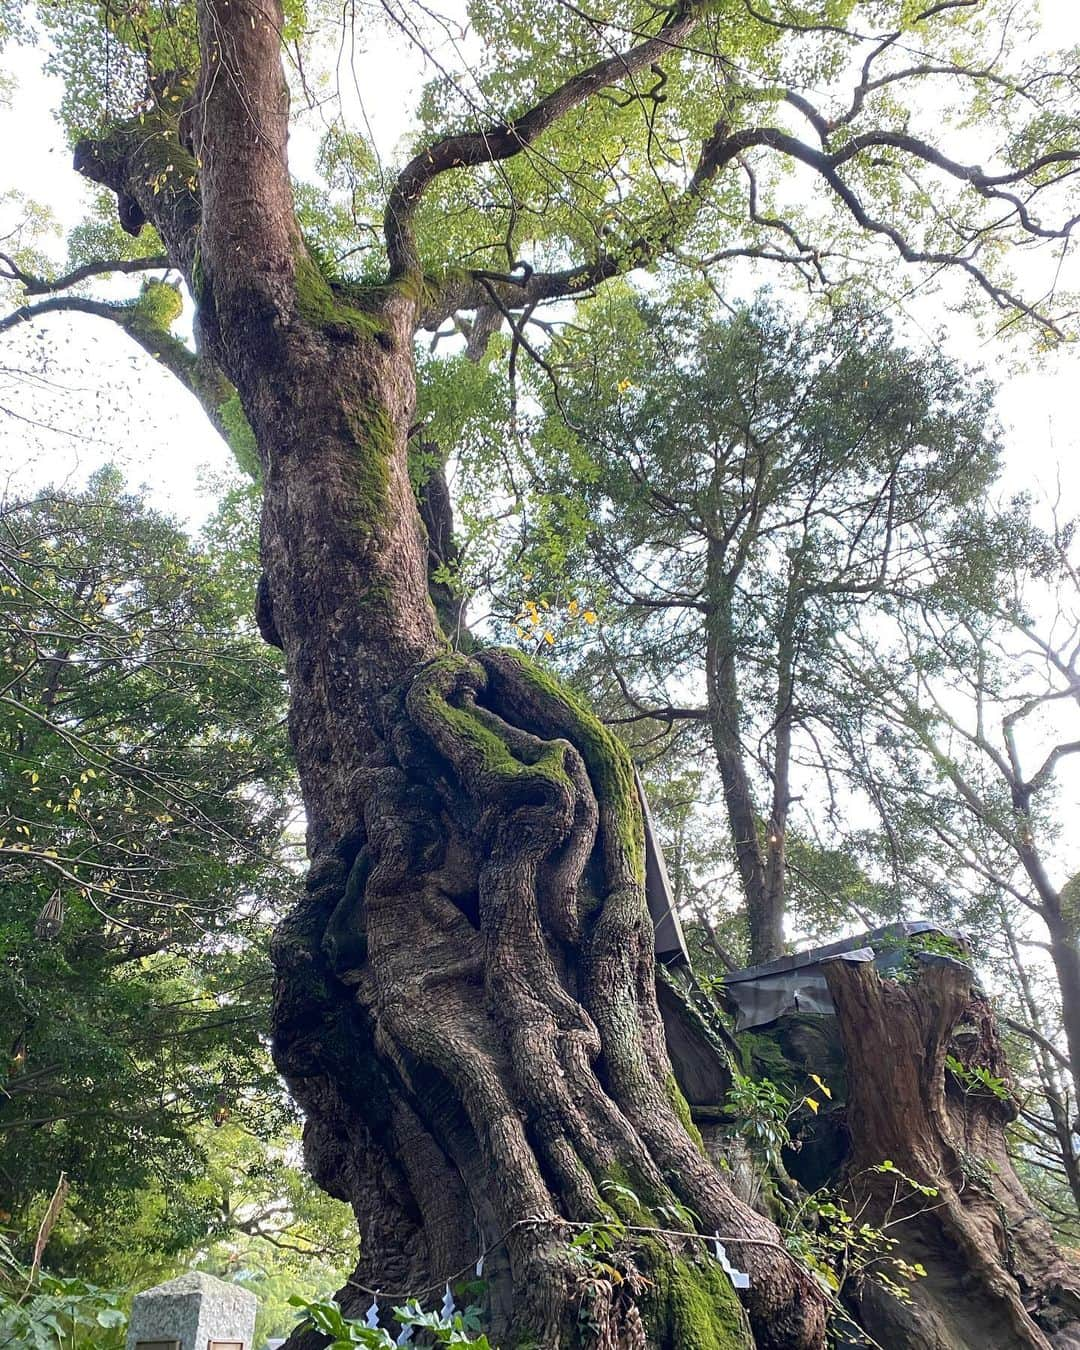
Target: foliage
140, 864
762, 1112
978, 1078
839, 1245
436, 1328
40, 1311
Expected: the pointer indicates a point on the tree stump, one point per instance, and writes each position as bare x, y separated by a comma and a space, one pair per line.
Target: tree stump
995, 1277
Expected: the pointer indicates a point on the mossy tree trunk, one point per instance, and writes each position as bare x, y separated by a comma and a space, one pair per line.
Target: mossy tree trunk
465, 1001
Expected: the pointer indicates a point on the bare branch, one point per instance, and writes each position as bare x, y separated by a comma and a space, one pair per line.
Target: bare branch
1032, 1035
199, 376
36, 285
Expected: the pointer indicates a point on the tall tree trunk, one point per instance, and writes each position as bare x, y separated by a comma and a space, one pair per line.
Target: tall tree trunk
464, 1001
1065, 954
1061, 918
783, 723
764, 907
1049, 1071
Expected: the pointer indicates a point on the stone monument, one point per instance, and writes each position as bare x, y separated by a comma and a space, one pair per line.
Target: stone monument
194, 1312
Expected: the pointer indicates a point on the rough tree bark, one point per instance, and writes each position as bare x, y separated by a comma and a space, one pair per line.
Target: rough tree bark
465, 1001
761, 868
994, 1274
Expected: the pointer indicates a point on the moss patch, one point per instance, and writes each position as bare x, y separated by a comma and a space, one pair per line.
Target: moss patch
611, 771
682, 1110
372, 431
477, 735
794, 1047
240, 437
621, 1193
423, 289
319, 305
692, 1305
160, 304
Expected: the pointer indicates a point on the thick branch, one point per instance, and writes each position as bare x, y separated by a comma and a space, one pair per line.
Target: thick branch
656, 237
250, 241
505, 140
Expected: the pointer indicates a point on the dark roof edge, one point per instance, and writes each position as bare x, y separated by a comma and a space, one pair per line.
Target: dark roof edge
816, 954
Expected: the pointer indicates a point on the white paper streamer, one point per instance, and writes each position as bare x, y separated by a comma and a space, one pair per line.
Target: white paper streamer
738, 1278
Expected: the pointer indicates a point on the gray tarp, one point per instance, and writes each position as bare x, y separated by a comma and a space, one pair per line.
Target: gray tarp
797, 983
667, 930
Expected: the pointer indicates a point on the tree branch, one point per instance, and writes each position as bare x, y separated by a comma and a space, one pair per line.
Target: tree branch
1032, 1035
35, 285
505, 140
199, 376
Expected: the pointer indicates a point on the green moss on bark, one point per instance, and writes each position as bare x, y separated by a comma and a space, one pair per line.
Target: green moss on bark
477, 733
322, 308
372, 430
682, 1110
422, 289
160, 304
611, 771
692, 1304
240, 437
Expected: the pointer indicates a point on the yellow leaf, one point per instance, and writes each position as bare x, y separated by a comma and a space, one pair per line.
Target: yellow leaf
549, 638
813, 1105
589, 616
827, 1091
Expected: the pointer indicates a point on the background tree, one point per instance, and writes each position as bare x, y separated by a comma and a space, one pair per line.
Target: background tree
473, 829
142, 861
730, 493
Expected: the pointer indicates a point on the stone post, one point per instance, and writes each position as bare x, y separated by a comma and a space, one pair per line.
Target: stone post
194, 1312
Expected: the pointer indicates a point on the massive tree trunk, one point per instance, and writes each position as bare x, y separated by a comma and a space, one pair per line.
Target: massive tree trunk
465, 1003
994, 1274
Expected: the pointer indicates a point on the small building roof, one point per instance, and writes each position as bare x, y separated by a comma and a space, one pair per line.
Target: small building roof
797, 983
